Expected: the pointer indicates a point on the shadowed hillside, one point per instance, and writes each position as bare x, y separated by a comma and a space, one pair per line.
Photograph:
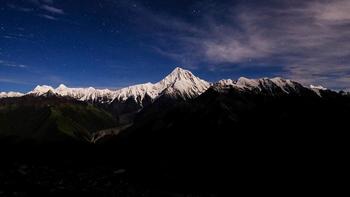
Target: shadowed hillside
48, 119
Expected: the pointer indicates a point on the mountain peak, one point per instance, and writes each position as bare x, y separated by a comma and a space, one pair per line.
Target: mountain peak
179, 69
182, 83
243, 81
42, 88
62, 86
178, 72
226, 82
179, 83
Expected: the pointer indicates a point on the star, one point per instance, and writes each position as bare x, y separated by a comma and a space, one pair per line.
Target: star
195, 12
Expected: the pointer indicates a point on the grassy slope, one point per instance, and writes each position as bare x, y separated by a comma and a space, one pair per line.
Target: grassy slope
52, 120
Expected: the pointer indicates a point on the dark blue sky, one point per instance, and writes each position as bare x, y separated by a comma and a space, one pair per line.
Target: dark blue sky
111, 43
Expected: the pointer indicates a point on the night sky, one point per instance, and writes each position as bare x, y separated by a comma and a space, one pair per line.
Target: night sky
112, 44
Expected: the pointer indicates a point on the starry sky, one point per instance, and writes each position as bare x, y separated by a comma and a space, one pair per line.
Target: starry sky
116, 43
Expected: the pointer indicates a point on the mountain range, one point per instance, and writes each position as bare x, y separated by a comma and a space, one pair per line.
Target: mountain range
89, 114
179, 83
182, 132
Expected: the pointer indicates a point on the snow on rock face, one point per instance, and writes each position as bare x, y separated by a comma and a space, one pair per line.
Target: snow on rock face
283, 83
226, 82
268, 85
248, 83
84, 94
182, 83
10, 94
137, 92
40, 90
318, 87
179, 83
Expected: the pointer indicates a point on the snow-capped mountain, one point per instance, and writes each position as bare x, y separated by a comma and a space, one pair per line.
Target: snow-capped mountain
226, 82
318, 89
182, 83
83, 94
272, 86
40, 90
260, 84
179, 83
10, 94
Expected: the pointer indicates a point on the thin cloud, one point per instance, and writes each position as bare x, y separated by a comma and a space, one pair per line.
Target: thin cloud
48, 17
34, 5
11, 64
14, 81
52, 9
310, 40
